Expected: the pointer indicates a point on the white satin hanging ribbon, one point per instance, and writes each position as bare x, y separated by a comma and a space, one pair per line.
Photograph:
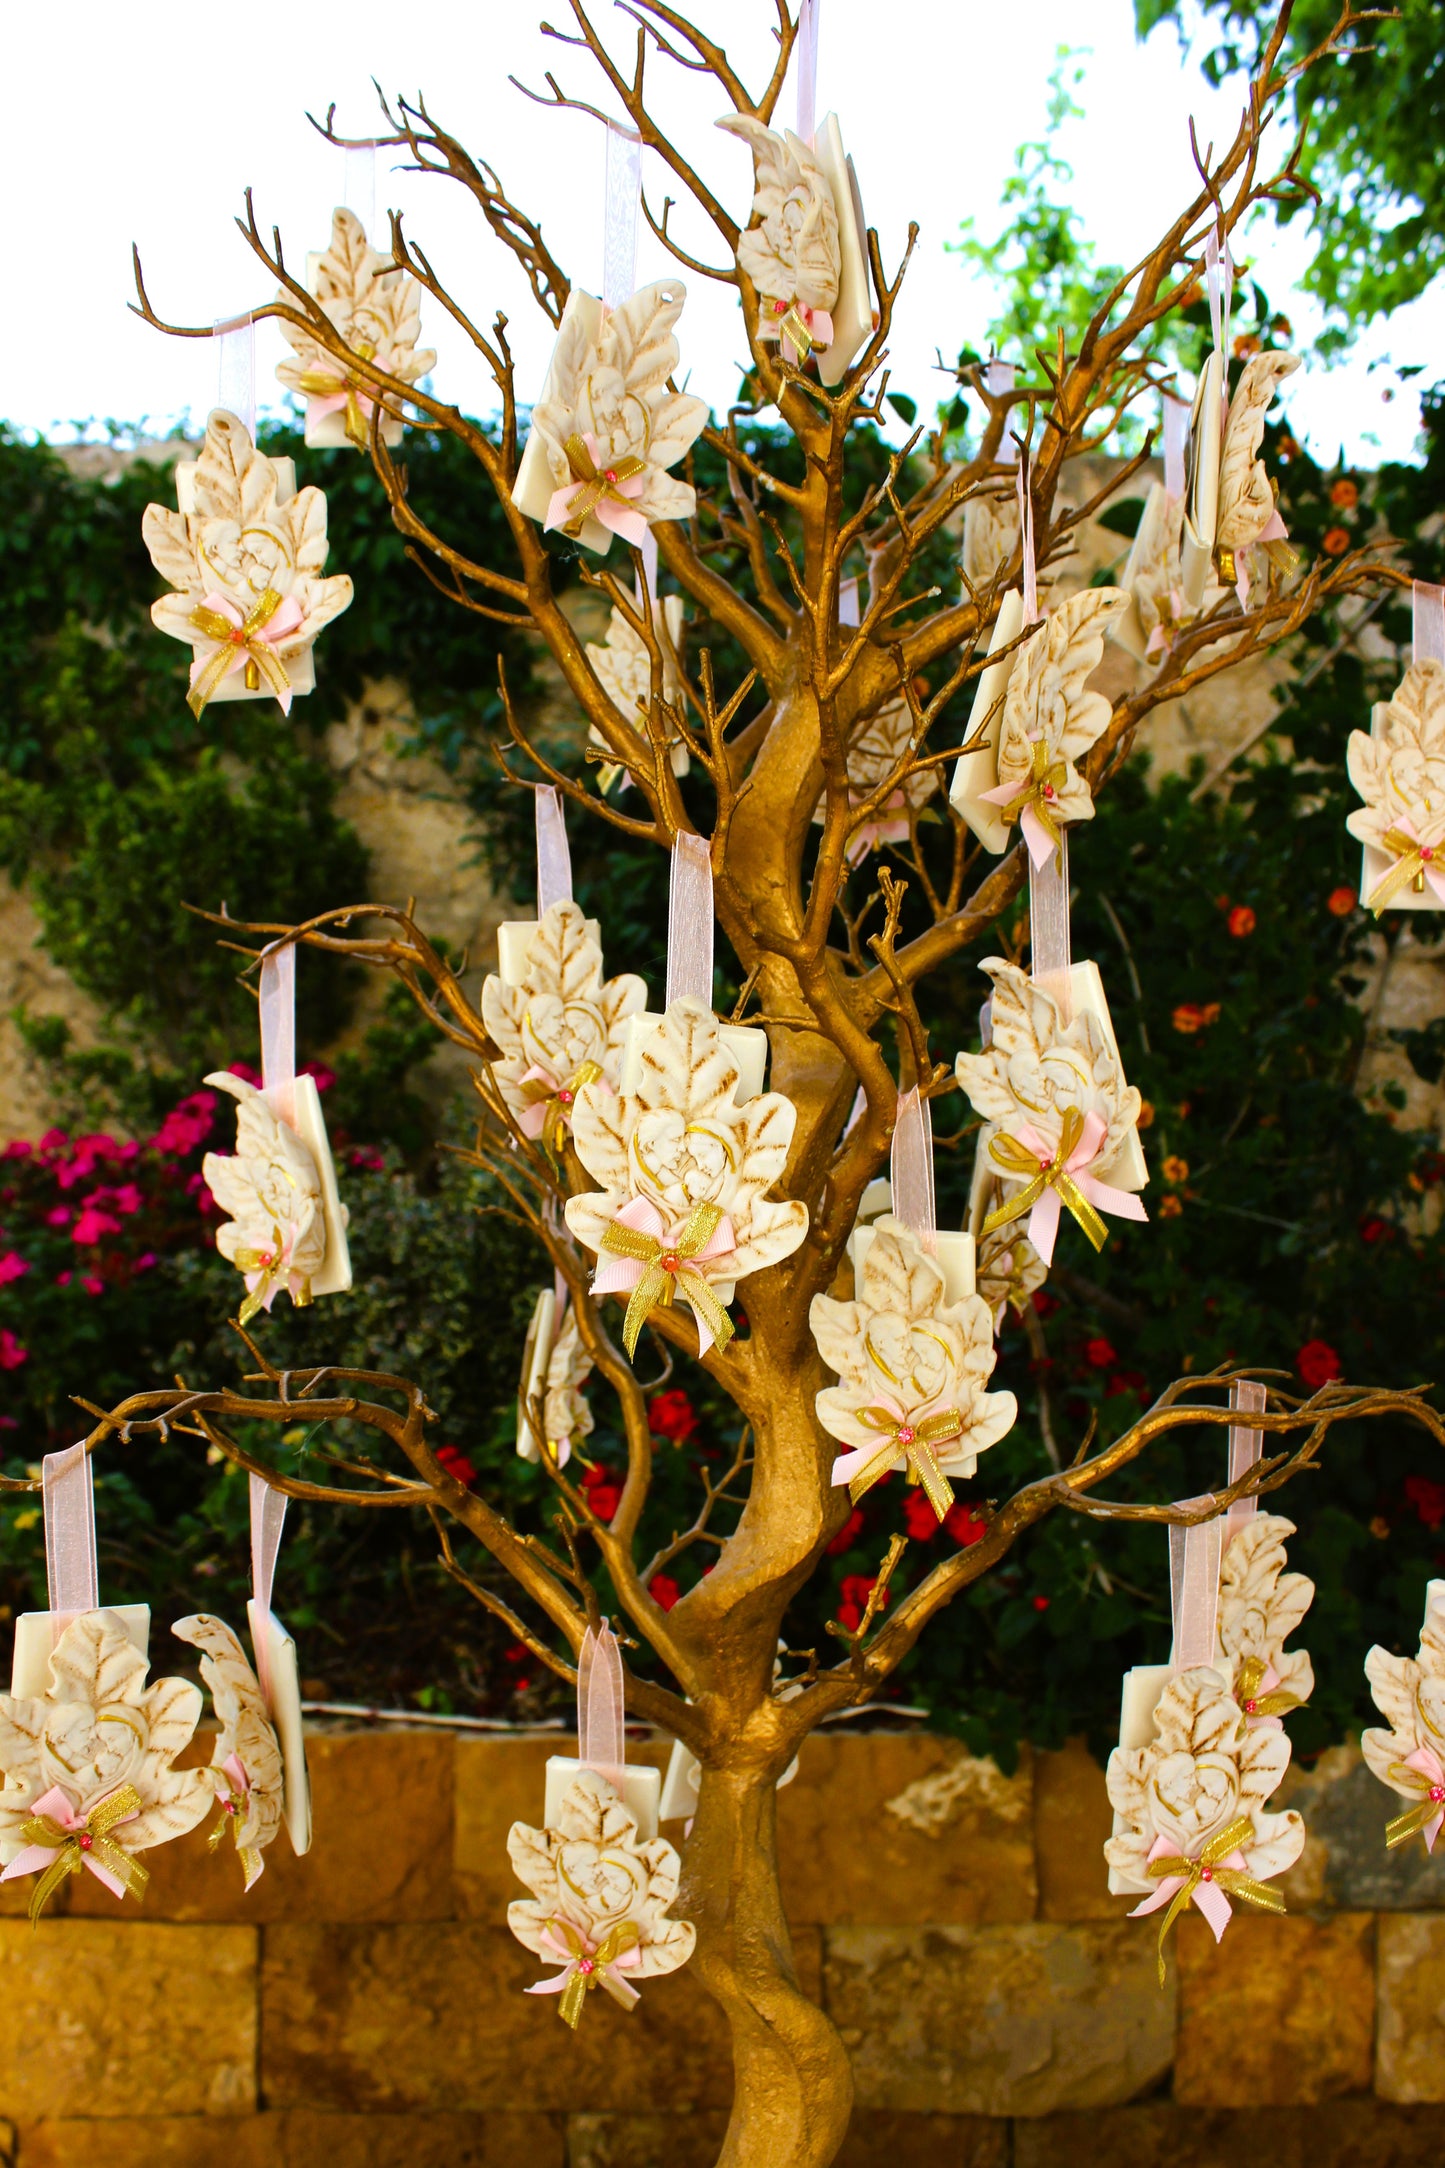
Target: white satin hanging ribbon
361, 185
268, 1518
1245, 1447
601, 1741
1429, 622
1219, 278
72, 1575
554, 858
1024, 487
1194, 1555
998, 379
278, 1030
806, 51
690, 923
235, 338
623, 195
1176, 432
911, 1170
848, 613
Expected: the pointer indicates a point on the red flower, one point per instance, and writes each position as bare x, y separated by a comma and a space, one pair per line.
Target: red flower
1427, 1498
1041, 1603
1336, 541
1241, 921
604, 1492
367, 1157
243, 1069
456, 1464
324, 1077
12, 1354
518, 1653
12, 1267
1317, 1362
919, 1517
59, 1215
1045, 1304
857, 1588
1100, 1354
1341, 901
1371, 1230
1126, 1381
966, 1525
92, 1285
846, 1533
672, 1415
1192, 1016
93, 1225
663, 1590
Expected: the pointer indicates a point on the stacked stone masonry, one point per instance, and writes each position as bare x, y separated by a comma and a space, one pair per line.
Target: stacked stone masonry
365, 2005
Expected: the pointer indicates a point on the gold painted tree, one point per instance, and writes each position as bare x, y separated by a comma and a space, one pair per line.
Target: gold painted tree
762, 564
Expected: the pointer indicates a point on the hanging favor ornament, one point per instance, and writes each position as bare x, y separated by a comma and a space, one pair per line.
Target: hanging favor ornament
1249, 516
991, 520
1399, 771
555, 1367
623, 668
86, 1746
601, 1891
913, 1357
690, 1149
1409, 1756
246, 553
1260, 1605
1153, 576
286, 1224
559, 1024
1206, 431
376, 309
884, 741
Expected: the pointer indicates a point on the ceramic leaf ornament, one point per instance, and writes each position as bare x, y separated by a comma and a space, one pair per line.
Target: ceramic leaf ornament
608, 426
1247, 513
990, 537
624, 670
1050, 719
1409, 1755
377, 310
1260, 1606
270, 1189
561, 1028
878, 750
246, 553
1398, 768
684, 1211
912, 1371
88, 1769
1191, 1825
791, 251
246, 1762
555, 1367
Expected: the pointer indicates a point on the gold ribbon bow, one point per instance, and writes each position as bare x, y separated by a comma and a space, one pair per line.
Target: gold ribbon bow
319, 384
230, 1816
666, 1270
90, 1839
1046, 780
789, 326
271, 1264
594, 484
916, 1442
1054, 1173
1232, 1880
589, 1966
1279, 1702
261, 660
1419, 1817
560, 1102
1408, 871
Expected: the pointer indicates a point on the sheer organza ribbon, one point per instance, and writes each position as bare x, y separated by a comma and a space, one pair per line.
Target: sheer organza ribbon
910, 1170
68, 1498
602, 1706
1176, 432
1195, 1551
60, 1841
1428, 611
623, 193
1057, 1175
690, 922
554, 856
806, 53
1246, 1445
603, 493
641, 1253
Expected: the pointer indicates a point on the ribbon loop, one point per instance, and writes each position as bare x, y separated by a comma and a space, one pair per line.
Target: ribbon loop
911, 1170
554, 858
68, 1498
1194, 1555
1428, 629
268, 1518
235, 338
619, 233
1176, 432
1246, 1445
690, 922
1050, 939
807, 51
601, 1740
277, 1003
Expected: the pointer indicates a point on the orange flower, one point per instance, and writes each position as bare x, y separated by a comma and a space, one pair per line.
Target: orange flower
1175, 1169
1341, 902
1336, 541
1245, 345
1345, 493
1169, 1206
1281, 327
1241, 921
1190, 1016
1146, 1114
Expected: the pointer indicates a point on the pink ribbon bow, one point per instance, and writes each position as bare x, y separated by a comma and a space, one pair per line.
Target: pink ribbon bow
1430, 1766
1043, 1225
880, 829
630, 525
282, 622
583, 1961
35, 1858
617, 1275
816, 322
1207, 1894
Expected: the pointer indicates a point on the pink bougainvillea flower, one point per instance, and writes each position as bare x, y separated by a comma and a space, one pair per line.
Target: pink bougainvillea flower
12, 1267
12, 1354
92, 1285
59, 1215
93, 1226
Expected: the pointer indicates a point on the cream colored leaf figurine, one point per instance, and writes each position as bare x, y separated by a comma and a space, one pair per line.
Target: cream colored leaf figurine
377, 310
98, 1732
610, 425
600, 1899
1409, 1756
561, 1028
912, 1371
246, 1766
1154, 577
624, 671
1398, 768
1009, 1270
248, 557
1037, 1066
555, 1366
791, 251
990, 536
684, 1211
1260, 1606
271, 1192
1050, 718
877, 751
1246, 499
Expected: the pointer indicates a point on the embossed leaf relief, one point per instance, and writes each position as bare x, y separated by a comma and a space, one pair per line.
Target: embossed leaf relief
98, 1728
562, 1027
565, 1413
1401, 773
377, 310
600, 1899
681, 1143
614, 389
1155, 576
1260, 1606
1205, 1770
1037, 1066
624, 671
873, 755
275, 1227
244, 555
913, 1371
1009, 1269
990, 536
1409, 1756
790, 251
246, 1766
1246, 500
1049, 718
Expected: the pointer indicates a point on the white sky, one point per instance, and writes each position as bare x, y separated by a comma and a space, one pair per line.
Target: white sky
161, 134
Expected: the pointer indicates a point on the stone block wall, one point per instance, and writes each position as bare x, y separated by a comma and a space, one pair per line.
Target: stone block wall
365, 2005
